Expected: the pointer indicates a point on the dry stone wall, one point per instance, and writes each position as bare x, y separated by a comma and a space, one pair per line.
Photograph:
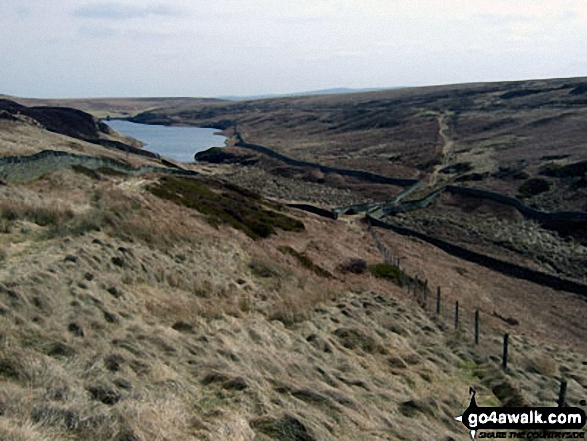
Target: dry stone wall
24, 168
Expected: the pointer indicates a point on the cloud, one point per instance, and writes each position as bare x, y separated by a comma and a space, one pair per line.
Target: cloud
500, 19
305, 44
98, 32
116, 11
23, 13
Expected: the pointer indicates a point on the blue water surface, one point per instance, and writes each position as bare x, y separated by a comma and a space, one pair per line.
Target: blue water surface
178, 143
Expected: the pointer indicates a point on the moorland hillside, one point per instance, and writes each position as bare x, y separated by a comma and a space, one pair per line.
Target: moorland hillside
168, 306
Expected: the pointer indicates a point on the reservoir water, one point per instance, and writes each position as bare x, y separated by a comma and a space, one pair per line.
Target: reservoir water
178, 143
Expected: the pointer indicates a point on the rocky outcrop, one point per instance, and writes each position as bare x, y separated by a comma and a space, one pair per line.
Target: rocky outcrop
69, 122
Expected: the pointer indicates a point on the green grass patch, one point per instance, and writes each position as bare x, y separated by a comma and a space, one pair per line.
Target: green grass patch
226, 204
386, 271
305, 261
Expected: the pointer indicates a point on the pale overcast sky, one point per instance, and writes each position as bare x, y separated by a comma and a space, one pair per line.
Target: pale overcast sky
87, 48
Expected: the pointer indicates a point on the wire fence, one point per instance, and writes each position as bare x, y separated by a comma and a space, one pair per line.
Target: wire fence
465, 322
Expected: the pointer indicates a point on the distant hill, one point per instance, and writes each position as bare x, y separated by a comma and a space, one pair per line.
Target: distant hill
333, 91
113, 107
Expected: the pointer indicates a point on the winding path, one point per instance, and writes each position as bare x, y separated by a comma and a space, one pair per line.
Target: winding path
447, 148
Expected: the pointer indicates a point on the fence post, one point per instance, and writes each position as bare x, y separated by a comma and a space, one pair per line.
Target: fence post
477, 327
426, 294
457, 314
562, 395
438, 301
504, 363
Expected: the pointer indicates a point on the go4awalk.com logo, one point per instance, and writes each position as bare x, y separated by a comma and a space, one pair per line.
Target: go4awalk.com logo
529, 422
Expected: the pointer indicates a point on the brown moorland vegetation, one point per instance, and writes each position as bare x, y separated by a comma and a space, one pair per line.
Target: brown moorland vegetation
128, 316
489, 135
141, 308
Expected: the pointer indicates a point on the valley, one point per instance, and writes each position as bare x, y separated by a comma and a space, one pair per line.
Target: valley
142, 298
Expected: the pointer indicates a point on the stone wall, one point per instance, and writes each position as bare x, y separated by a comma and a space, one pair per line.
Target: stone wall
313, 209
24, 168
531, 213
545, 218
507, 268
363, 175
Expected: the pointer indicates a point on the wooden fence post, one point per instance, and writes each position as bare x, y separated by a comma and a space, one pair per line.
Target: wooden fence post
504, 363
426, 294
457, 314
477, 327
438, 301
562, 395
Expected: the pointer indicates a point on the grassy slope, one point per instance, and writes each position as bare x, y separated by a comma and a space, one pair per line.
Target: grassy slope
525, 139
127, 316
18, 139
200, 333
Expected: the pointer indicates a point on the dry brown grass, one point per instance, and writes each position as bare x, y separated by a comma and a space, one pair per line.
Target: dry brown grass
159, 326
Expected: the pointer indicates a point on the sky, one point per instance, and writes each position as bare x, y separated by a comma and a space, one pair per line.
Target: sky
130, 48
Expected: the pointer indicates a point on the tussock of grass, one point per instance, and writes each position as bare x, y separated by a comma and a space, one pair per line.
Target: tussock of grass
286, 428
294, 304
264, 269
58, 218
40, 214
226, 204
